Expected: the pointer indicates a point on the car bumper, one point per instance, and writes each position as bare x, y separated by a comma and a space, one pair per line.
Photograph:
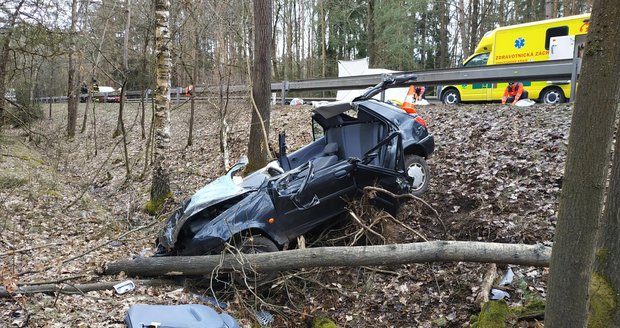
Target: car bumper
428, 144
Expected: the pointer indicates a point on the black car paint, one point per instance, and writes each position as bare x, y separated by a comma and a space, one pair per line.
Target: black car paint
270, 210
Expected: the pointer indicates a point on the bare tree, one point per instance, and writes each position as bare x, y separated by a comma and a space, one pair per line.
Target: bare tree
72, 99
258, 149
4, 55
160, 188
121, 124
604, 308
604, 301
585, 175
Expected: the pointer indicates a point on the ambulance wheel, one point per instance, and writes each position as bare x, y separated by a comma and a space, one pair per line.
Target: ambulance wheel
451, 97
553, 95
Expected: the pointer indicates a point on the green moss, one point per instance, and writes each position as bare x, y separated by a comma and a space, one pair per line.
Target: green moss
154, 206
534, 306
322, 322
11, 182
602, 254
603, 302
492, 315
441, 321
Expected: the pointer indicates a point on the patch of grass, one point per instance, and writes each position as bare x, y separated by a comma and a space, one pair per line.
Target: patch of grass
8, 182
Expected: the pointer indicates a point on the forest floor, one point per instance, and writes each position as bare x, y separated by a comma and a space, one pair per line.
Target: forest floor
67, 208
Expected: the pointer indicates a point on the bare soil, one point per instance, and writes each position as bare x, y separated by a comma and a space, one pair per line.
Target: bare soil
68, 207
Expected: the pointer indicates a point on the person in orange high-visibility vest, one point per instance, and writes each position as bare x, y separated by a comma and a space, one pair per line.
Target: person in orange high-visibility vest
514, 91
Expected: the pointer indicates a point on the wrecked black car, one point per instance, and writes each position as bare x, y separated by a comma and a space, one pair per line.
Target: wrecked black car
362, 143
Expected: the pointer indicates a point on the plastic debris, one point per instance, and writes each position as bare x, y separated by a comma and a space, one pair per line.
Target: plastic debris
422, 102
316, 104
507, 278
497, 294
264, 318
185, 315
525, 103
125, 286
297, 102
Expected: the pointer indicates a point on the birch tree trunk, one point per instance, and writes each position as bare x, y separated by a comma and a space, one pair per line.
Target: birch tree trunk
160, 189
585, 176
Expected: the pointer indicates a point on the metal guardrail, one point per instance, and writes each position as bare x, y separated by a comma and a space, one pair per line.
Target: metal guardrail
558, 70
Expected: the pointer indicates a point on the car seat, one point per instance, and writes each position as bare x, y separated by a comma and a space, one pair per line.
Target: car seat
328, 156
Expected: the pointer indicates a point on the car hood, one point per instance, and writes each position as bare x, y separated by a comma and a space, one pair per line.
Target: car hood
221, 189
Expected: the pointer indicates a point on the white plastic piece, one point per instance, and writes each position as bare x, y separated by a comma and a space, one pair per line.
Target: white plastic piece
125, 286
525, 103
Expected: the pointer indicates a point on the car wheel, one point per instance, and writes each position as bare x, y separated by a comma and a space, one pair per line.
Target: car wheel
451, 97
254, 245
417, 169
552, 96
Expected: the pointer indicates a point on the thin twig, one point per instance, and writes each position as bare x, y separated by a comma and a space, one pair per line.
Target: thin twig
49, 282
408, 196
365, 226
406, 226
27, 249
109, 241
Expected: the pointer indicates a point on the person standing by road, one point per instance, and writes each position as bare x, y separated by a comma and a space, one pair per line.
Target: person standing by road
514, 91
419, 93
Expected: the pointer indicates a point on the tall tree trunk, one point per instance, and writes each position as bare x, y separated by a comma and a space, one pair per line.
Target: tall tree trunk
193, 77
72, 99
585, 175
288, 58
605, 285
323, 40
121, 107
274, 49
461, 17
5, 45
549, 9
258, 149
160, 189
474, 19
444, 20
372, 50
570, 7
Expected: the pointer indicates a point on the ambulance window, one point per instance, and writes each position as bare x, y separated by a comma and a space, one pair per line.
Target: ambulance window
553, 32
479, 60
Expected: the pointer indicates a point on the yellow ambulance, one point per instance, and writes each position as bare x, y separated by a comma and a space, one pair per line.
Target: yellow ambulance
517, 44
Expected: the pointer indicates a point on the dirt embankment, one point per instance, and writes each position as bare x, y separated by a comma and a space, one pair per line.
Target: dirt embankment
496, 176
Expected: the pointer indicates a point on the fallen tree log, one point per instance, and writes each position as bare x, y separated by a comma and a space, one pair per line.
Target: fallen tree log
78, 288
433, 251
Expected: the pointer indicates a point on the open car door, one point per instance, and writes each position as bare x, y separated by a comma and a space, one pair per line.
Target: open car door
306, 198
383, 166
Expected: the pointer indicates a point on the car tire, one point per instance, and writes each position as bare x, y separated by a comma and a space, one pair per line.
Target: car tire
451, 97
553, 95
417, 168
249, 244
